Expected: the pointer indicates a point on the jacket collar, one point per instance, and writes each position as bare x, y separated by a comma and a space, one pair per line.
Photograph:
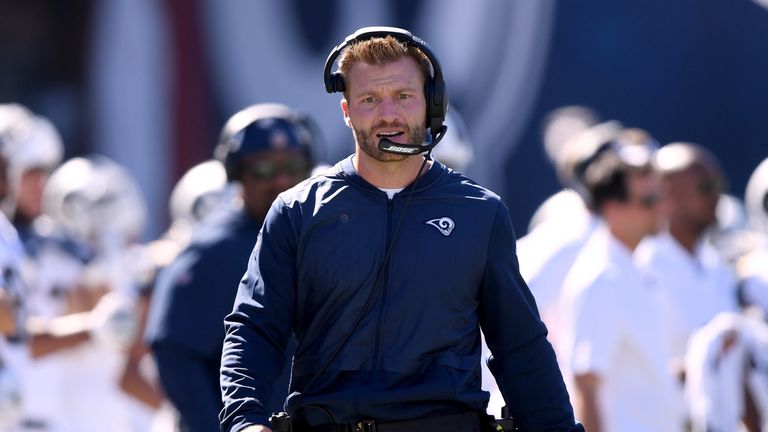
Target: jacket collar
348, 171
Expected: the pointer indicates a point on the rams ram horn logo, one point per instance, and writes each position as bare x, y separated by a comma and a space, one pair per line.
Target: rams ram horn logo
444, 224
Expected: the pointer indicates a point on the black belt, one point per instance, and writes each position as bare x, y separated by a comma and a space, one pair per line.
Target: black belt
465, 422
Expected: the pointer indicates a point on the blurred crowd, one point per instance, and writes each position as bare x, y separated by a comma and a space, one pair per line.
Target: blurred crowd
651, 278
83, 303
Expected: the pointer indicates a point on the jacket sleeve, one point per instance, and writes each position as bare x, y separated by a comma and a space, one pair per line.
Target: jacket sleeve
523, 362
260, 325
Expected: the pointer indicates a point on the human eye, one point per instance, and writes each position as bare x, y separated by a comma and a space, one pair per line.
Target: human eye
404, 96
368, 99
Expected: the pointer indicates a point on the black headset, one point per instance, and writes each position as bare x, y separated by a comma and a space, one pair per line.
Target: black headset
434, 87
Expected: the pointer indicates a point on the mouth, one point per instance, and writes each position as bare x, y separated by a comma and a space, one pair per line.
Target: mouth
389, 134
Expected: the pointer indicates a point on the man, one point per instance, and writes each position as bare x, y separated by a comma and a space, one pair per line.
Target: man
51, 268
200, 191
565, 223
265, 150
693, 281
613, 346
95, 201
11, 297
64, 329
385, 268
550, 247
695, 286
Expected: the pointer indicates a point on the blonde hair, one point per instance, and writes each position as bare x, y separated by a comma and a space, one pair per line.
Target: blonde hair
380, 51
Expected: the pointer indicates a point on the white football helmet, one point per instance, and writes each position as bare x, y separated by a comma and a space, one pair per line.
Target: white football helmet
199, 192
28, 141
93, 198
756, 197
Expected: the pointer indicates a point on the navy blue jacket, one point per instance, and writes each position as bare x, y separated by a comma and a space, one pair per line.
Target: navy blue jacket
185, 328
416, 351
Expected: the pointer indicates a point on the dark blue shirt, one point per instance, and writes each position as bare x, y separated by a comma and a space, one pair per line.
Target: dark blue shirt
185, 328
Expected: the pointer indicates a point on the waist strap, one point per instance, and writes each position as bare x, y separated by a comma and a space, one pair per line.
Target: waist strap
465, 422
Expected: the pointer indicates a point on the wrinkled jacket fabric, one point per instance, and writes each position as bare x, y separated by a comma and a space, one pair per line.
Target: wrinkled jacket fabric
416, 350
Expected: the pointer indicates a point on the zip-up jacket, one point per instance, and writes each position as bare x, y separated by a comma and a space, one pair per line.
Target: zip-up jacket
416, 350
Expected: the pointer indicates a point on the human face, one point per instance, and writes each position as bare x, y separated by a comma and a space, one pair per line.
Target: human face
267, 173
385, 101
643, 205
29, 202
693, 197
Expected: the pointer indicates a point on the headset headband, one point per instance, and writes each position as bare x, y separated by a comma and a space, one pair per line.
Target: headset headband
366, 33
435, 93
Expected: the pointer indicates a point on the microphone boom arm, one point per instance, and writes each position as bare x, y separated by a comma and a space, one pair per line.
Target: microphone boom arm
389, 146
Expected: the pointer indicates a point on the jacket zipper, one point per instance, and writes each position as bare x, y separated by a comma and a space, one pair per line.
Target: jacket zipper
384, 284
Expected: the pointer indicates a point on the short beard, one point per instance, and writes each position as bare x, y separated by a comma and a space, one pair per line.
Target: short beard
369, 143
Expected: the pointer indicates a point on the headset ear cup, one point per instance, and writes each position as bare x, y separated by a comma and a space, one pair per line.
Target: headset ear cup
429, 97
337, 82
437, 105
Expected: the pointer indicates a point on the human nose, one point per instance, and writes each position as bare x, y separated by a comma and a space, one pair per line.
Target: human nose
388, 110
284, 181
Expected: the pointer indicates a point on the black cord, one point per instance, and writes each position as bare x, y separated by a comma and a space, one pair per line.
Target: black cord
368, 301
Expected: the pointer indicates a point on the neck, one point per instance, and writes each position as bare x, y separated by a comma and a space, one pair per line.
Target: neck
625, 237
21, 219
684, 235
390, 174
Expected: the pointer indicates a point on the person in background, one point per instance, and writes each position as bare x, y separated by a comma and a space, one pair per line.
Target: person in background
200, 191
564, 222
726, 358
547, 252
51, 267
613, 347
691, 278
12, 291
265, 150
65, 320
96, 202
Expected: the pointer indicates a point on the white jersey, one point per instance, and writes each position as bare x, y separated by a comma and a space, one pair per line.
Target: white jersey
546, 255
724, 355
753, 272
610, 327
93, 371
48, 276
693, 287
11, 258
11, 362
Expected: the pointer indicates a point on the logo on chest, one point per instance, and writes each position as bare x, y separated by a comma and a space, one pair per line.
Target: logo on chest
444, 224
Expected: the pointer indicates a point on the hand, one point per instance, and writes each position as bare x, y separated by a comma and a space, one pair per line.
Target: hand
115, 321
7, 313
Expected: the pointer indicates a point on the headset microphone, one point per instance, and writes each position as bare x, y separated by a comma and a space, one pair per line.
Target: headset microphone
389, 146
